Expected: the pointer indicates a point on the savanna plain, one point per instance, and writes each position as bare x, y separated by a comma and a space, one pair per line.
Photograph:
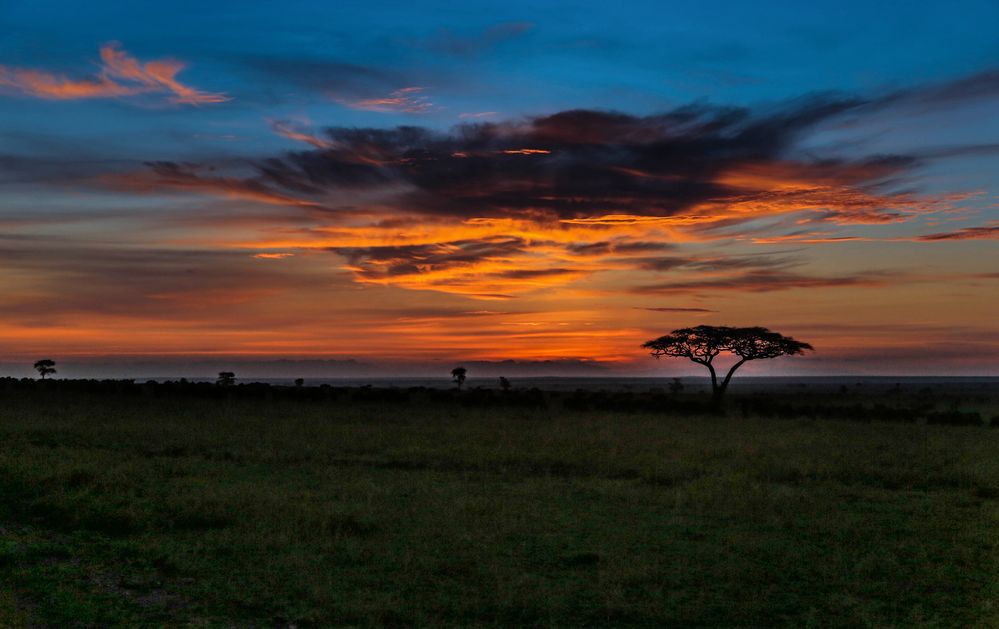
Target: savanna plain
151, 505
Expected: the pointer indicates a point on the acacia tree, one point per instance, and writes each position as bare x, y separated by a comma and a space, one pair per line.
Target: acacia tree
225, 379
45, 367
703, 343
458, 375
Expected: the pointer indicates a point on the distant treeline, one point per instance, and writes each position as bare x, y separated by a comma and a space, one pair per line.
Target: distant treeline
923, 405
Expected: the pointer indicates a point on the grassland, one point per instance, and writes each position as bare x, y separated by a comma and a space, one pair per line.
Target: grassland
173, 511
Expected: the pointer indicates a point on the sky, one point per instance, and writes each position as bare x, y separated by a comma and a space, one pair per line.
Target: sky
409, 185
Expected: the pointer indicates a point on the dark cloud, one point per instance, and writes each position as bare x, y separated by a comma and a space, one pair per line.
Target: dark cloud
758, 261
484, 268
762, 281
570, 164
691, 310
520, 274
605, 247
715, 263
190, 177
667, 263
382, 262
989, 232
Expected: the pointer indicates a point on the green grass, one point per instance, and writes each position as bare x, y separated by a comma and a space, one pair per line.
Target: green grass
134, 512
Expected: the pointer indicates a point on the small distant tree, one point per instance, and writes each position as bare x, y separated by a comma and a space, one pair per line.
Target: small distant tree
458, 375
703, 343
676, 386
226, 378
45, 367
504, 384
299, 382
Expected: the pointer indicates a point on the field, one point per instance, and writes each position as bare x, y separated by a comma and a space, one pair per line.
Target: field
149, 506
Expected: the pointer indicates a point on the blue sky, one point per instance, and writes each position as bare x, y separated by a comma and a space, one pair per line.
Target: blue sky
899, 173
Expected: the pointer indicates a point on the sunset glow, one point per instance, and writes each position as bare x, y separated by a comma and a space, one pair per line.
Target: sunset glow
442, 189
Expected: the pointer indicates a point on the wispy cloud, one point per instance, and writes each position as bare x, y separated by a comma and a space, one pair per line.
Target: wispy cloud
299, 132
408, 100
120, 75
482, 42
984, 232
186, 177
988, 232
763, 281
678, 310
488, 268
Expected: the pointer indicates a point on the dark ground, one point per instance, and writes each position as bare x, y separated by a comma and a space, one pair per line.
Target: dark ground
141, 505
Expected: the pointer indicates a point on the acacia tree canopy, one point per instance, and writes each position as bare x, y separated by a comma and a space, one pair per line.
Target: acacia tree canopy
45, 367
458, 375
703, 343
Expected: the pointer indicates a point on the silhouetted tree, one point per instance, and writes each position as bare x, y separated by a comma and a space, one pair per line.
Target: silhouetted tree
676, 386
703, 343
225, 379
504, 384
45, 367
299, 382
458, 375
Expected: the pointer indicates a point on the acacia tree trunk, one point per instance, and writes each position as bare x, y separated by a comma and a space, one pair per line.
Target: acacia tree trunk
714, 380
728, 377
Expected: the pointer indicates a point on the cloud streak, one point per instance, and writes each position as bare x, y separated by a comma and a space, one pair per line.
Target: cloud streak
986, 232
406, 100
680, 310
488, 268
120, 75
763, 281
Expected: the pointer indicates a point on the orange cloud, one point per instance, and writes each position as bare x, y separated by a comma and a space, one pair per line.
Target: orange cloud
836, 193
527, 152
462, 213
120, 75
407, 100
485, 268
300, 133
